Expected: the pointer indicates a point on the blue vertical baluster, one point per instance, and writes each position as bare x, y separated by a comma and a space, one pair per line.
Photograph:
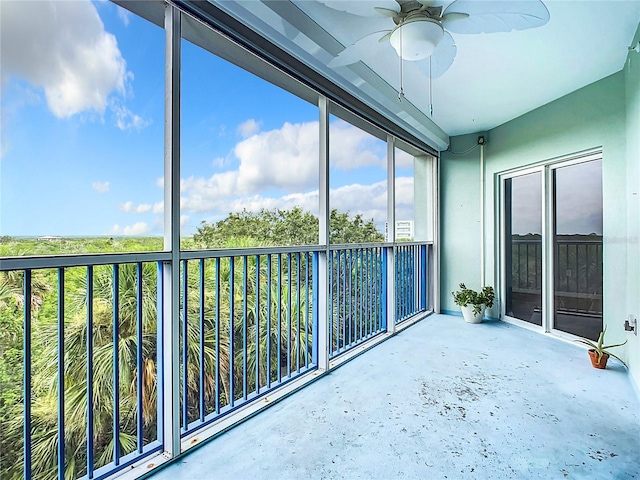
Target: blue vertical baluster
423, 277
245, 301
307, 257
298, 312
268, 321
360, 264
61, 440
343, 303
330, 293
201, 360
367, 269
139, 364
257, 320
279, 317
354, 293
217, 321
89, 372
116, 364
288, 315
373, 278
383, 278
26, 347
314, 310
185, 346
160, 351
351, 296
401, 282
231, 331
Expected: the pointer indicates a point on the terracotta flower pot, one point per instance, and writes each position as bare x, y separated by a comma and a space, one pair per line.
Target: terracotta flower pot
594, 359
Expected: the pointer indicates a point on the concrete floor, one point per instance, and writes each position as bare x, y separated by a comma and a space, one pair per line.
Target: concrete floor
441, 400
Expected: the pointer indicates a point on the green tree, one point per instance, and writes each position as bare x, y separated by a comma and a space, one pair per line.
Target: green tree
285, 227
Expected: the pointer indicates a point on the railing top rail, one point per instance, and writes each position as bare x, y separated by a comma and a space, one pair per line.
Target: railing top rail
534, 241
417, 242
240, 252
82, 260
350, 246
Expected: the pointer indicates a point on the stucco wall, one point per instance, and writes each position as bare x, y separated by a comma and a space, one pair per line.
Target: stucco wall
603, 115
632, 101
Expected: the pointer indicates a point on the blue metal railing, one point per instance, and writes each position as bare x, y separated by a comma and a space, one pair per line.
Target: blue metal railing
578, 271
248, 326
357, 296
86, 340
411, 280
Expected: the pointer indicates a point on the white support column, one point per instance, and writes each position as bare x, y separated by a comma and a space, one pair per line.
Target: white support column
171, 272
434, 257
323, 217
391, 234
425, 203
547, 249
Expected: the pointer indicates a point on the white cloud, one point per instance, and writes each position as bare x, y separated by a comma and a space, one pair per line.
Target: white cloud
352, 148
368, 200
249, 128
286, 158
65, 50
126, 119
139, 228
129, 207
100, 187
124, 16
403, 159
158, 207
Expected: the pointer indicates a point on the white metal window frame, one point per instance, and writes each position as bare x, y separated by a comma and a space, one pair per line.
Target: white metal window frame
179, 25
546, 169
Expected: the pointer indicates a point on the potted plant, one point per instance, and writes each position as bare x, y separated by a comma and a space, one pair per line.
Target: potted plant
472, 303
598, 352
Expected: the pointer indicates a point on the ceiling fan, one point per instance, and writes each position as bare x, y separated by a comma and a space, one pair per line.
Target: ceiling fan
423, 27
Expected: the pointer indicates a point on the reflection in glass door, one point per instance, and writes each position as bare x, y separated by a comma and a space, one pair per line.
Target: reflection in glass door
523, 247
577, 192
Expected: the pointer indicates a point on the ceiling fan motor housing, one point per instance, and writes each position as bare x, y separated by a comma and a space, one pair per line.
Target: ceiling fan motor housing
416, 38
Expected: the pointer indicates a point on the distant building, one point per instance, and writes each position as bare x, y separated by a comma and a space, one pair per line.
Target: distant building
404, 230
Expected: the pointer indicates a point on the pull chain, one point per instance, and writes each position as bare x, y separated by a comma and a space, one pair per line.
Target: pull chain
430, 91
401, 92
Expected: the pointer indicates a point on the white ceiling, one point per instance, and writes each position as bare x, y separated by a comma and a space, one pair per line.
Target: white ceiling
494, 77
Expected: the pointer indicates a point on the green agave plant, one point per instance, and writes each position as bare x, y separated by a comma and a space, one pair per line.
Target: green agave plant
601, 349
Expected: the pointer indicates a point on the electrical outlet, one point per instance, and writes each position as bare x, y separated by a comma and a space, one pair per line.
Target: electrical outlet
631, 324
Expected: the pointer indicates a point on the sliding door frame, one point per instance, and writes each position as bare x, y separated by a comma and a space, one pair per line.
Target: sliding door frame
546, 169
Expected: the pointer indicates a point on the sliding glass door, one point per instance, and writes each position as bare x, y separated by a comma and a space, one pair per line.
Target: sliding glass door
577, 286
552, 246
523, 247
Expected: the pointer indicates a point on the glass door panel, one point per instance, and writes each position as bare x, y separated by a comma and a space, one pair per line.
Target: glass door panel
523, 247
577, 192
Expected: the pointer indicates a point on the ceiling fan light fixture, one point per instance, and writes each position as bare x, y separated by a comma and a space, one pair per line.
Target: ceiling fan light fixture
419, 37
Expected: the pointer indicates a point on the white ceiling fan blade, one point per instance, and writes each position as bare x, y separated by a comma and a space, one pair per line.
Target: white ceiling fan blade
386, 12
441, 59
386, 37
368, 45
444, 55
449, 18
497, 16
362, 8
434, 3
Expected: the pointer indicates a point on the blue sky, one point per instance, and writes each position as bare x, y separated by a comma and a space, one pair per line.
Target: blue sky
82, 140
